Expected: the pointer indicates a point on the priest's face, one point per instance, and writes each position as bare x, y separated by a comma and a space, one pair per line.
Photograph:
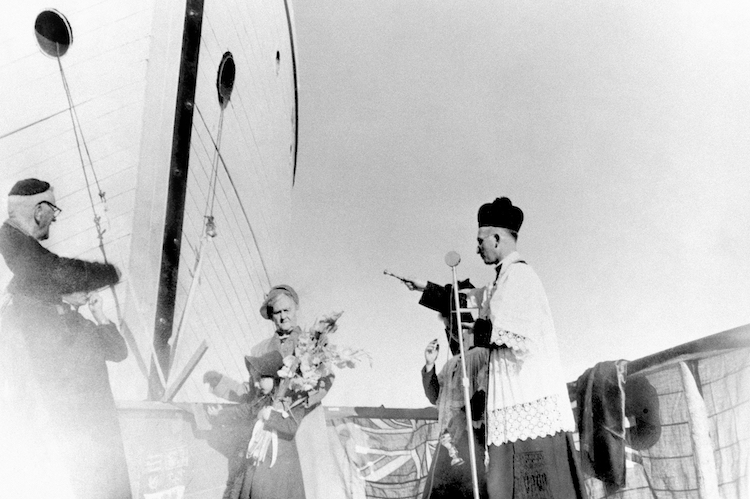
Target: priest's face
488, 245
284, 314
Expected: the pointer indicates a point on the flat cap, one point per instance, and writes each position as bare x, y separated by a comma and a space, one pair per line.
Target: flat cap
29, 187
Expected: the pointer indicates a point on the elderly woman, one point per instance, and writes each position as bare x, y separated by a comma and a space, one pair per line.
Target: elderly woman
272, 471
280, 306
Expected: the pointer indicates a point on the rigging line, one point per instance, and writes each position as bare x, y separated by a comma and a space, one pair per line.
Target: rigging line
97, 218
239, 244
85, 145
188, 302
213, 271
231, 282
241, 113
233, 233
220, 314
247, 263
208, 231
78, 129
29, 125
211, 193
201, 325
237, 194
75, 132
216, 160
231, 275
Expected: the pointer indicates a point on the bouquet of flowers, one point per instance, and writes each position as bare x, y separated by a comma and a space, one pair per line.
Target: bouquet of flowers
306, 377
308, 371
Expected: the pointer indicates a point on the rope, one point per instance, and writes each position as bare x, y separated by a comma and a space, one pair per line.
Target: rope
237, 194
209, 231
29, 125
77, 129
211, 199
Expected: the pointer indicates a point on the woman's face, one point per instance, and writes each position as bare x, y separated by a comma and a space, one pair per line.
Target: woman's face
284, 314
266, 385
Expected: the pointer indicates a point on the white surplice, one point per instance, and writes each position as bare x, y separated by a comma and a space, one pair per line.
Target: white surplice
527, 395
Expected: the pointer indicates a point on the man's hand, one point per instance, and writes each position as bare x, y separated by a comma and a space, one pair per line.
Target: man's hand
414, 284
95, 305
430, 354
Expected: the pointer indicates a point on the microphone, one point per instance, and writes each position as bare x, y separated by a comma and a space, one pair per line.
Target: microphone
452, 259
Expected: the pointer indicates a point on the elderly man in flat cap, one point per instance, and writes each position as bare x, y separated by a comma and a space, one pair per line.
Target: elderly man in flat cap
53, 359
32, 321
40, 277
37, 272
529, 418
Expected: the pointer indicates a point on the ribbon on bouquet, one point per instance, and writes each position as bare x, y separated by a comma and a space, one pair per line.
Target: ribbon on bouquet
257, 448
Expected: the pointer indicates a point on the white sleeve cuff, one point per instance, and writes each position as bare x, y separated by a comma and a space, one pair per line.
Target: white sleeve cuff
519, 344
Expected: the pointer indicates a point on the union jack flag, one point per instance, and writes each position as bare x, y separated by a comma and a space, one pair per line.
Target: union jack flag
392, 457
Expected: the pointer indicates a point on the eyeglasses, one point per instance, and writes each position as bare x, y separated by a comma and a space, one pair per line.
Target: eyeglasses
55, 210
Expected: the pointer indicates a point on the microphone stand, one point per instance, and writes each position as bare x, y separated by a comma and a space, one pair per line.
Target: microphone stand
453, 259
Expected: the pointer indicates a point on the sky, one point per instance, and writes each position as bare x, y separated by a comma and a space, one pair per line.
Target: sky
620, 128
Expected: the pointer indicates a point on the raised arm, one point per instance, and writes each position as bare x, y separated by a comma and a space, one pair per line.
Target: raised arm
38, 271
430, 381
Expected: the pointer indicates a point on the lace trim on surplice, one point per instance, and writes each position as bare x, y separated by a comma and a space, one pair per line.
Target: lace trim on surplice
520, 345
540, 418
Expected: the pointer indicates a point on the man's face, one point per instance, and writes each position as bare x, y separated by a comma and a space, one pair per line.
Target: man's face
44, 215
284, 314
488, 246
